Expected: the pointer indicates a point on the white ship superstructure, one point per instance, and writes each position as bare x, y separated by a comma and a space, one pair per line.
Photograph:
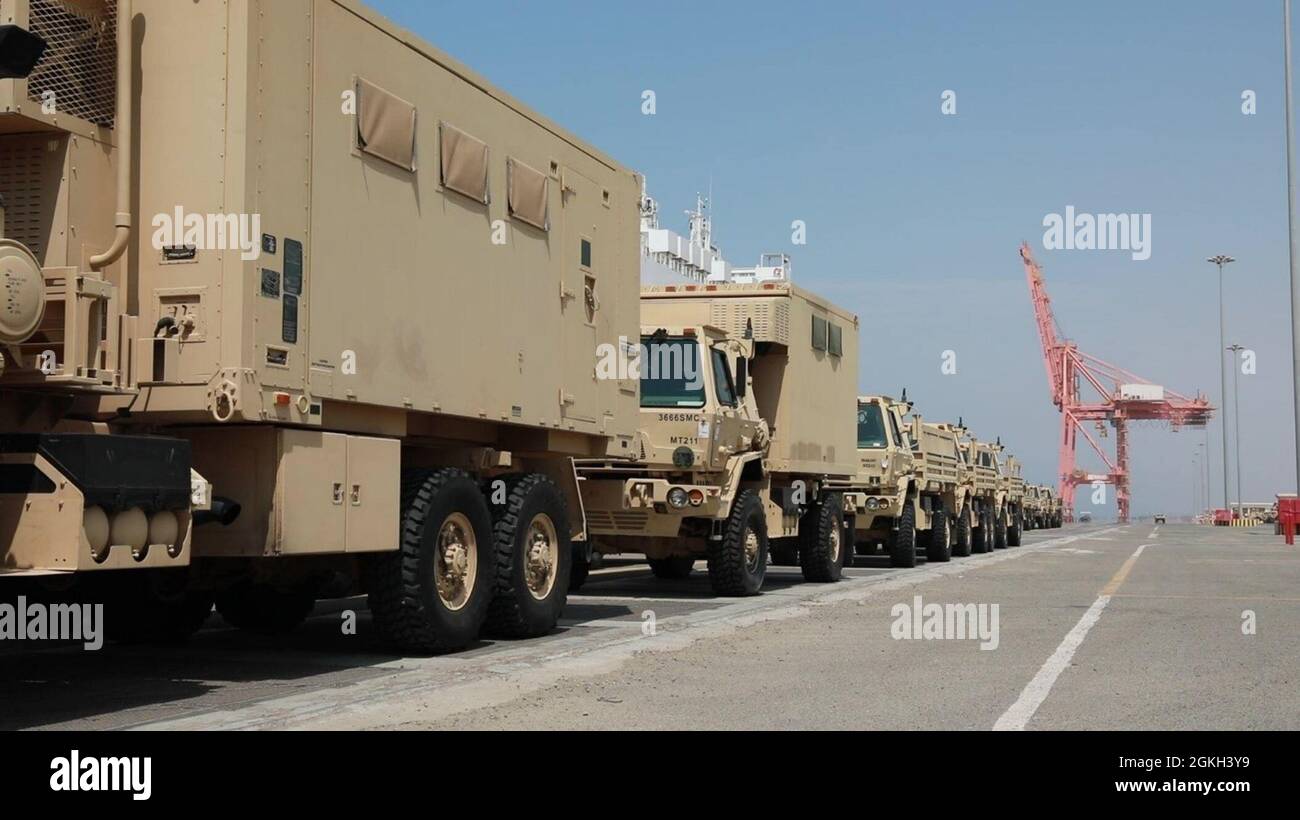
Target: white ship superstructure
668, 258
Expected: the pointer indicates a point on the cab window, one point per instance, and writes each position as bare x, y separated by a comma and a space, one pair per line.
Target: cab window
723, 384
893, 430
871, 426
670, 373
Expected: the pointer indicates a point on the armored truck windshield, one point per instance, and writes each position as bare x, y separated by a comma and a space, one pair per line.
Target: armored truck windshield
670, 373
871, 427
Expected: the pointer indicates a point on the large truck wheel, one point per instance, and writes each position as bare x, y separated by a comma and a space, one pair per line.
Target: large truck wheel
263, 608
153, 606
961, 536
432, 594
1015, 531
673, 568
738, 563
938, 547
533, 555
999, 533
902, 546
821, 541
983, 533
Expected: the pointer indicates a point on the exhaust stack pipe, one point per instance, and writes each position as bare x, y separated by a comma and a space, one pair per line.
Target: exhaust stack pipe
122, 125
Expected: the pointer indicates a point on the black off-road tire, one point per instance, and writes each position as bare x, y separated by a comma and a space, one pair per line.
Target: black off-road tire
403, 591
515, 612
983, 534
938, 547
961, 536
1015, 532
999, 533
264, 609
729, 573
902, 545
672, 568
821, 541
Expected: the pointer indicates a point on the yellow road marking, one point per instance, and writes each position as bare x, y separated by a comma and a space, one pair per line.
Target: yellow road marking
1117, 580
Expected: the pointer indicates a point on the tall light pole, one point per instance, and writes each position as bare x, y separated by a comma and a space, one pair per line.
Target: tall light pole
1291, 232
1196, 486
1205, 465
1236, 417
1222, 260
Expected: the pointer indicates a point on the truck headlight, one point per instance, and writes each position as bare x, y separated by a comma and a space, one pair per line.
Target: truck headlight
873, 503
697, 498
678, 498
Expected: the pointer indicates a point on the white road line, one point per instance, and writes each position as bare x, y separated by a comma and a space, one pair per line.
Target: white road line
1018, 716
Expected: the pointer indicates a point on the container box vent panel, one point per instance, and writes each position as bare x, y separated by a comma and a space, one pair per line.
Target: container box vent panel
79, 66
771, 318
29, 181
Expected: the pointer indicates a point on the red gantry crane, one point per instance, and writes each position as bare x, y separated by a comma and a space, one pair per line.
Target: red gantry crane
1118, 397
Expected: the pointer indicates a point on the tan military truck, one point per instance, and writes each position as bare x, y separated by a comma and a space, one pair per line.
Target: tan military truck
986, 494
1012, 508
742, 432
1053, 506
1042, 508
298, 305
908, 494
1035, 512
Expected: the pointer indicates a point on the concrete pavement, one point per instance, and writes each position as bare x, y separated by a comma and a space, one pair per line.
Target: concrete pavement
1088, 637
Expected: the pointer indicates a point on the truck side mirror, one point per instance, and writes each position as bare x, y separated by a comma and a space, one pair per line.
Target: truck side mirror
742, 376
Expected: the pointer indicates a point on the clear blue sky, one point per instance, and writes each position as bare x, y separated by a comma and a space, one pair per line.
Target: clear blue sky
829, 112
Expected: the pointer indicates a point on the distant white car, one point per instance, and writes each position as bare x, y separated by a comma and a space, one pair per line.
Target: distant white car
1085, 517
1160, 518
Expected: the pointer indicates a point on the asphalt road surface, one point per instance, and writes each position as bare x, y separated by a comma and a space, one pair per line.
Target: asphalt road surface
1097, 627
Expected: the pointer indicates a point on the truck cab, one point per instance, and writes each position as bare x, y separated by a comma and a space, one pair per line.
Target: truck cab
697, 411
699, 436
1013, 500
887, 465
985, 475
734, 457
906, 493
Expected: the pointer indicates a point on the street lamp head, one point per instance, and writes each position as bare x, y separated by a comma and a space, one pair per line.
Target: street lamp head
1220, 260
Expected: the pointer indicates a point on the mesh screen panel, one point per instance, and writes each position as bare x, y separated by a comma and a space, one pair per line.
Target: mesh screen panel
79, 66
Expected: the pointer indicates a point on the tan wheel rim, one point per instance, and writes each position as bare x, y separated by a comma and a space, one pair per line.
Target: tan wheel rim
455, 562
541, 556
835, 543
751, 550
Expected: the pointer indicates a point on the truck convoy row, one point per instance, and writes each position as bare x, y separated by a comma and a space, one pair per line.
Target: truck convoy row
297, 306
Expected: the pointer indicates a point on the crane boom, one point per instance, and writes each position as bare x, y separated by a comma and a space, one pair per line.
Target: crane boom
1120, 397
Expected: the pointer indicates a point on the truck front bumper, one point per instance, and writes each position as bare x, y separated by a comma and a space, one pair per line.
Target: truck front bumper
642, 506
873, 511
